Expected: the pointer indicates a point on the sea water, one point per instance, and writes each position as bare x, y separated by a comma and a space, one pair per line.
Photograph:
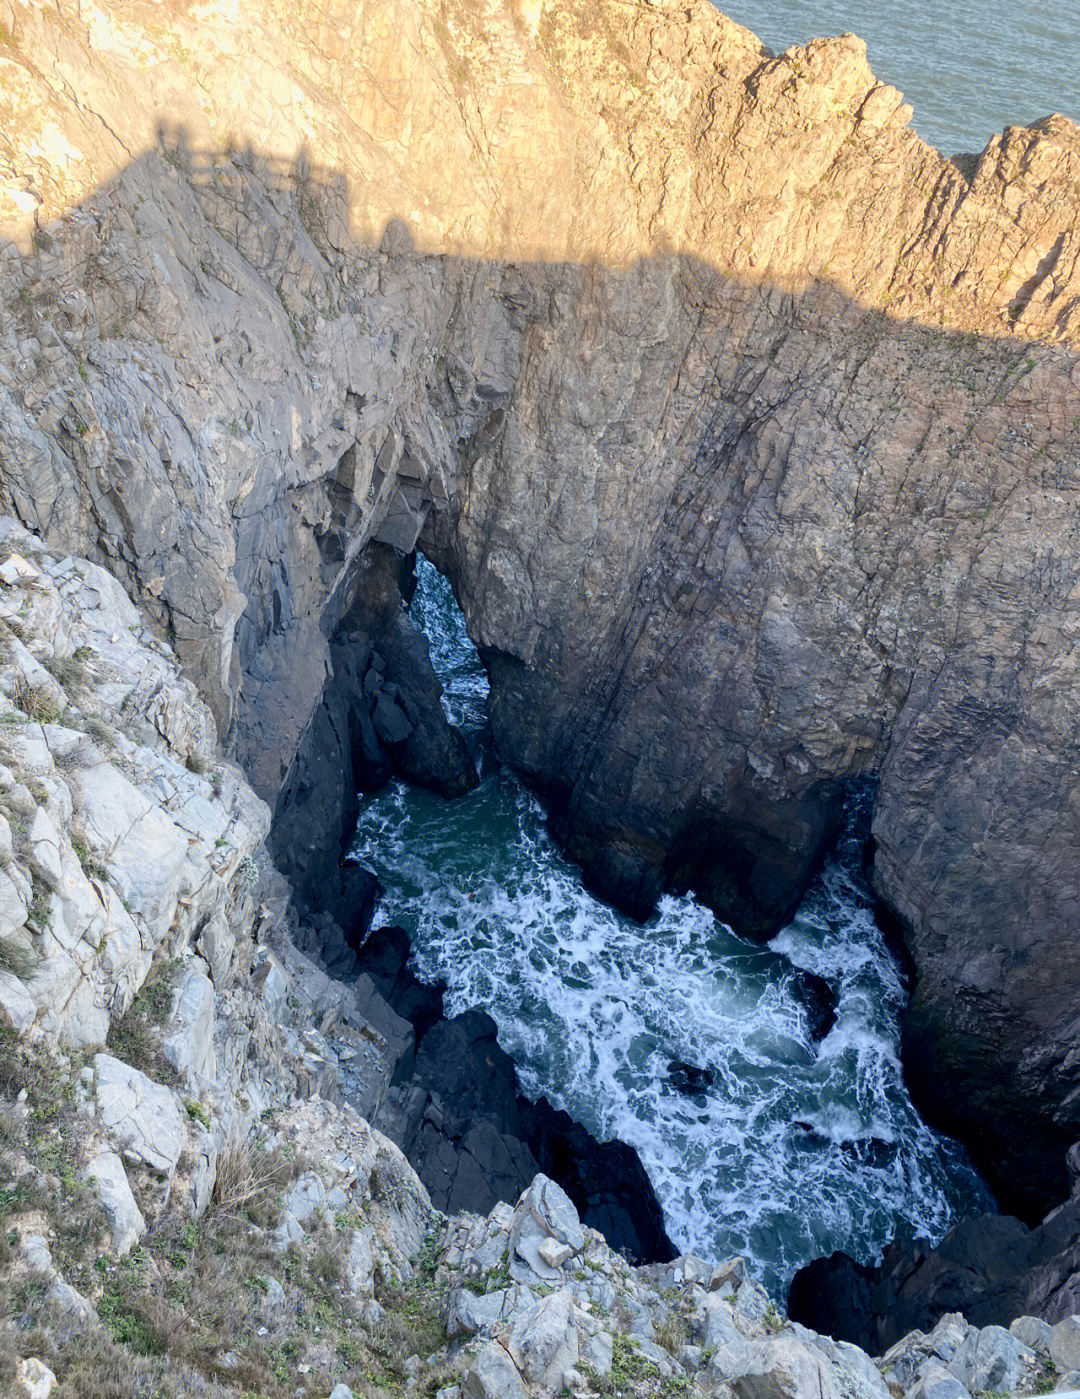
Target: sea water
968, 67
794, 1149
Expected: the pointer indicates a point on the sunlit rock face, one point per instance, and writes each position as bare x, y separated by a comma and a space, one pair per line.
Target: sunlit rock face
745, 425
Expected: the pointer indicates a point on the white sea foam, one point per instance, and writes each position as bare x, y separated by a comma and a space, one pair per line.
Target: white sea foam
793, 1151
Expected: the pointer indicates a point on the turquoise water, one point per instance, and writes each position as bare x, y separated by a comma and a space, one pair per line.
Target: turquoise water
968, 67
776, 1160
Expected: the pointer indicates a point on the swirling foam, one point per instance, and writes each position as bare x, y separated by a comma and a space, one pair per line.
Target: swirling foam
793, 1151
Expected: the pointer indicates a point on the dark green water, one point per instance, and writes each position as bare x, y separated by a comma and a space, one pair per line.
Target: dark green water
593, 1007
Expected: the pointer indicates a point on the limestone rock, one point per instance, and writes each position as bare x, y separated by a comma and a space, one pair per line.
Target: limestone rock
142, 1117
543, 1214
1032, 1332
189, 1045
935, 1382
990, 1359
493, 1375
840, 550
543, 1341
1065, 1343
110, 1180
35, 1378
782, 1368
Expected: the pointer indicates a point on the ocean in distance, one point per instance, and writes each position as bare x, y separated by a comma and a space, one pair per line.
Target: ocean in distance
968, 67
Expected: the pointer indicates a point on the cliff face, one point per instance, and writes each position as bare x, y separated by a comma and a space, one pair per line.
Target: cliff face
746, 427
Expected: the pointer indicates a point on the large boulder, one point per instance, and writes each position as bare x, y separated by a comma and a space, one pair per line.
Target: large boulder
543, 1341
493, 1375
108, 1177
782, 1367
142, 1117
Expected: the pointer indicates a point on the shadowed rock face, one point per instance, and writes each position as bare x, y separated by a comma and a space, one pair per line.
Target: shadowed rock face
456, 1111
746, 427
992, 1270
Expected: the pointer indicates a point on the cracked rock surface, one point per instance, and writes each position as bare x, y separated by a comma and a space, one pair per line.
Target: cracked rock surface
745, 425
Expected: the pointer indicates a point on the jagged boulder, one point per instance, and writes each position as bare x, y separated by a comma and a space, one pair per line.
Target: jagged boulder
109, 1178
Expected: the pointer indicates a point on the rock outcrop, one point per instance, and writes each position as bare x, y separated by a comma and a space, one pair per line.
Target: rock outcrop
744, 424
992, 1270
198, 1207
455, 1109
380, 714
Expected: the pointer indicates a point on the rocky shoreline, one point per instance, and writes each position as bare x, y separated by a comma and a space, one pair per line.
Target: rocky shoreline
746, 428
191, 1203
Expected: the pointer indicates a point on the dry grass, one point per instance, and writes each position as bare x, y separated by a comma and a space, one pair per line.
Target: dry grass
135, 1037
100, 732
212, 1307
68, 671
18, 958
249, 1180
36, 702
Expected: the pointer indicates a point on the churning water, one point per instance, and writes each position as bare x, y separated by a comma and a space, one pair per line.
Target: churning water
968, 67
791, 1151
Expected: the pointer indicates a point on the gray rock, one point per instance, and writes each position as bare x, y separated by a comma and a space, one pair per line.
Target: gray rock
751, 1304
305, 1196
853, 1368
1065, 1344
596, 1350
492, 1375
35, 1250
361, 1264
714, 1324
766, 521
949, 1334
990, 1359
189, 1045
35, 1378
543, 1341
1033, 1332
70, 1303
143, 1118
782, 1367
544, 1213
472, 1314
935, 1382
730, 1274
390, 722
341, 1391
107, 1174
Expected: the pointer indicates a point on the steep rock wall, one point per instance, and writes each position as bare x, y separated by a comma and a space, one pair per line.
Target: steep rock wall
745, 425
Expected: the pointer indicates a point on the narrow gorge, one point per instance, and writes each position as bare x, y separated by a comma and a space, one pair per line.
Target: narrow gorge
744, 428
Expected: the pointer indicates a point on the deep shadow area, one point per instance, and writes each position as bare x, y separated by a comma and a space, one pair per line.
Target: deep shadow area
764, 644
992, 1270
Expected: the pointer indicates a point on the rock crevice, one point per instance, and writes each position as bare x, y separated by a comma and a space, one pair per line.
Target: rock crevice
744, 424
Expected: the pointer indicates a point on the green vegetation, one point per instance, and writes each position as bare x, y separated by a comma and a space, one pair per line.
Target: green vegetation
92, 866
135, 1038
197, 1113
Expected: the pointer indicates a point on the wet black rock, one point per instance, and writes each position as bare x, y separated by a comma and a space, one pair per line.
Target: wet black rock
474, 1139
818, 999
689, 1078
871, 1151
380, 714
991, 1269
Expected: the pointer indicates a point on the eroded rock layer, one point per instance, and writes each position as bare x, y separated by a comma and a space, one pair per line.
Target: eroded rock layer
745, 425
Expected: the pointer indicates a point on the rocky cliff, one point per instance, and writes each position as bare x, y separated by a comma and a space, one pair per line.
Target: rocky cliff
745, 425
190, 1202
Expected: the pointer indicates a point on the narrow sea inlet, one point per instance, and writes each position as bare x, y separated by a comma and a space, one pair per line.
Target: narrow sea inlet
781, 1150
